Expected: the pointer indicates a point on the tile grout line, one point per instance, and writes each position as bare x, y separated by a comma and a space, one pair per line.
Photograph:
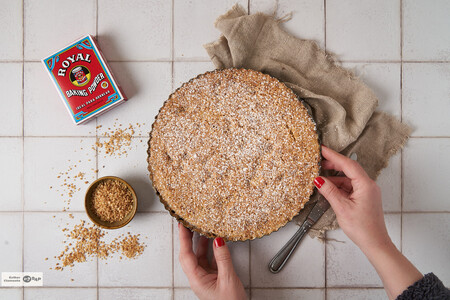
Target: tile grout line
325, 48
164, 212
96, 20
96, 177
250, 242
325, 266
250, 268
172, 54
96, 139
145, 136
173, 260
309, 288
325, 26
23, 142
68, 136
102, 287
250, 288
179, 59
401, 119
172, 40
188, 288
429, 137
79, 211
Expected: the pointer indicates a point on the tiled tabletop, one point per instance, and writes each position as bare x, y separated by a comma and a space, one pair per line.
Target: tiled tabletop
400, 48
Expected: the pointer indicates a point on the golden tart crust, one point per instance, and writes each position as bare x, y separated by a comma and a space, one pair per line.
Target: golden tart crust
233, 153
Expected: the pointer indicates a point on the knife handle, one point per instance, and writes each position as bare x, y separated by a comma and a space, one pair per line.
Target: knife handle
279, 260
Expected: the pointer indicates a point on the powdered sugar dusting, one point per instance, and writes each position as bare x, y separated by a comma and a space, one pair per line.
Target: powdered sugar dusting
234, 153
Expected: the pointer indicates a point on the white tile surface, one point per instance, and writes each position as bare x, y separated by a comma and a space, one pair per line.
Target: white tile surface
133, 169
12, 175
11, 87
184, 294
360, 30
309, 255
11, 293
153, 268
286, 294
147, 85
43, 238
44, 111
44, 160
60, 293
356, 294
384, 80
241, 260
188, 294
185, 71
134, 294
307, 17
11, 242
239, 253
179, 278
425, 175
11, 30
390, 184
426, 243
194, 25
346, 264
137, 40
140, 30
425, 30
426, 90
50, 26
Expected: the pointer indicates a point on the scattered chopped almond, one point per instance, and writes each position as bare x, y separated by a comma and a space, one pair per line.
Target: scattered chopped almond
88, 242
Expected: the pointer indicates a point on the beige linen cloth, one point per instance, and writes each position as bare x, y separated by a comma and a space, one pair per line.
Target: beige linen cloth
342, 106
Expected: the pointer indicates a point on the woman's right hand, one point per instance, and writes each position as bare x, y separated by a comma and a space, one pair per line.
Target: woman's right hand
356, 200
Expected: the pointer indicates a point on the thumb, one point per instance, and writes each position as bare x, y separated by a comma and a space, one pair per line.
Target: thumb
330, 191
223, 258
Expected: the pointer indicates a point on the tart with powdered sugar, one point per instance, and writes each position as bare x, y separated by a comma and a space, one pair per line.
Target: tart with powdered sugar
233, 153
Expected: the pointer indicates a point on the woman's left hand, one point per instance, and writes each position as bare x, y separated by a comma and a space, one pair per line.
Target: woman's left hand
217, 280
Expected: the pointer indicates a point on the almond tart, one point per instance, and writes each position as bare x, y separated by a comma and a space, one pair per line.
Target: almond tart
233, 153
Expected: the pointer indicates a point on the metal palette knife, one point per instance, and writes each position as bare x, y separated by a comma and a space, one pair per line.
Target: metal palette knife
279, 260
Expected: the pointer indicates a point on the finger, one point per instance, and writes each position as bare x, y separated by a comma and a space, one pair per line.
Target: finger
342, 163
223, 258
202, 251
188, 260
343, 183
331, 192
213, 263
328, 165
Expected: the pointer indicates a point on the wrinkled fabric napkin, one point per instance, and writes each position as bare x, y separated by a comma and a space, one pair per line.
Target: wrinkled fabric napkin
342, 106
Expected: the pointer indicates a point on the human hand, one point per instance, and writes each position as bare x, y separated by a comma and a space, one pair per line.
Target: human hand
215, 280
356, 200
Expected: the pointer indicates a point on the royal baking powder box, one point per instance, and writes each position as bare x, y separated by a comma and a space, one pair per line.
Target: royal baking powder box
84, 80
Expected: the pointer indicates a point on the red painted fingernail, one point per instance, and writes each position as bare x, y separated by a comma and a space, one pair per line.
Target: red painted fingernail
219, 242
319, 182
